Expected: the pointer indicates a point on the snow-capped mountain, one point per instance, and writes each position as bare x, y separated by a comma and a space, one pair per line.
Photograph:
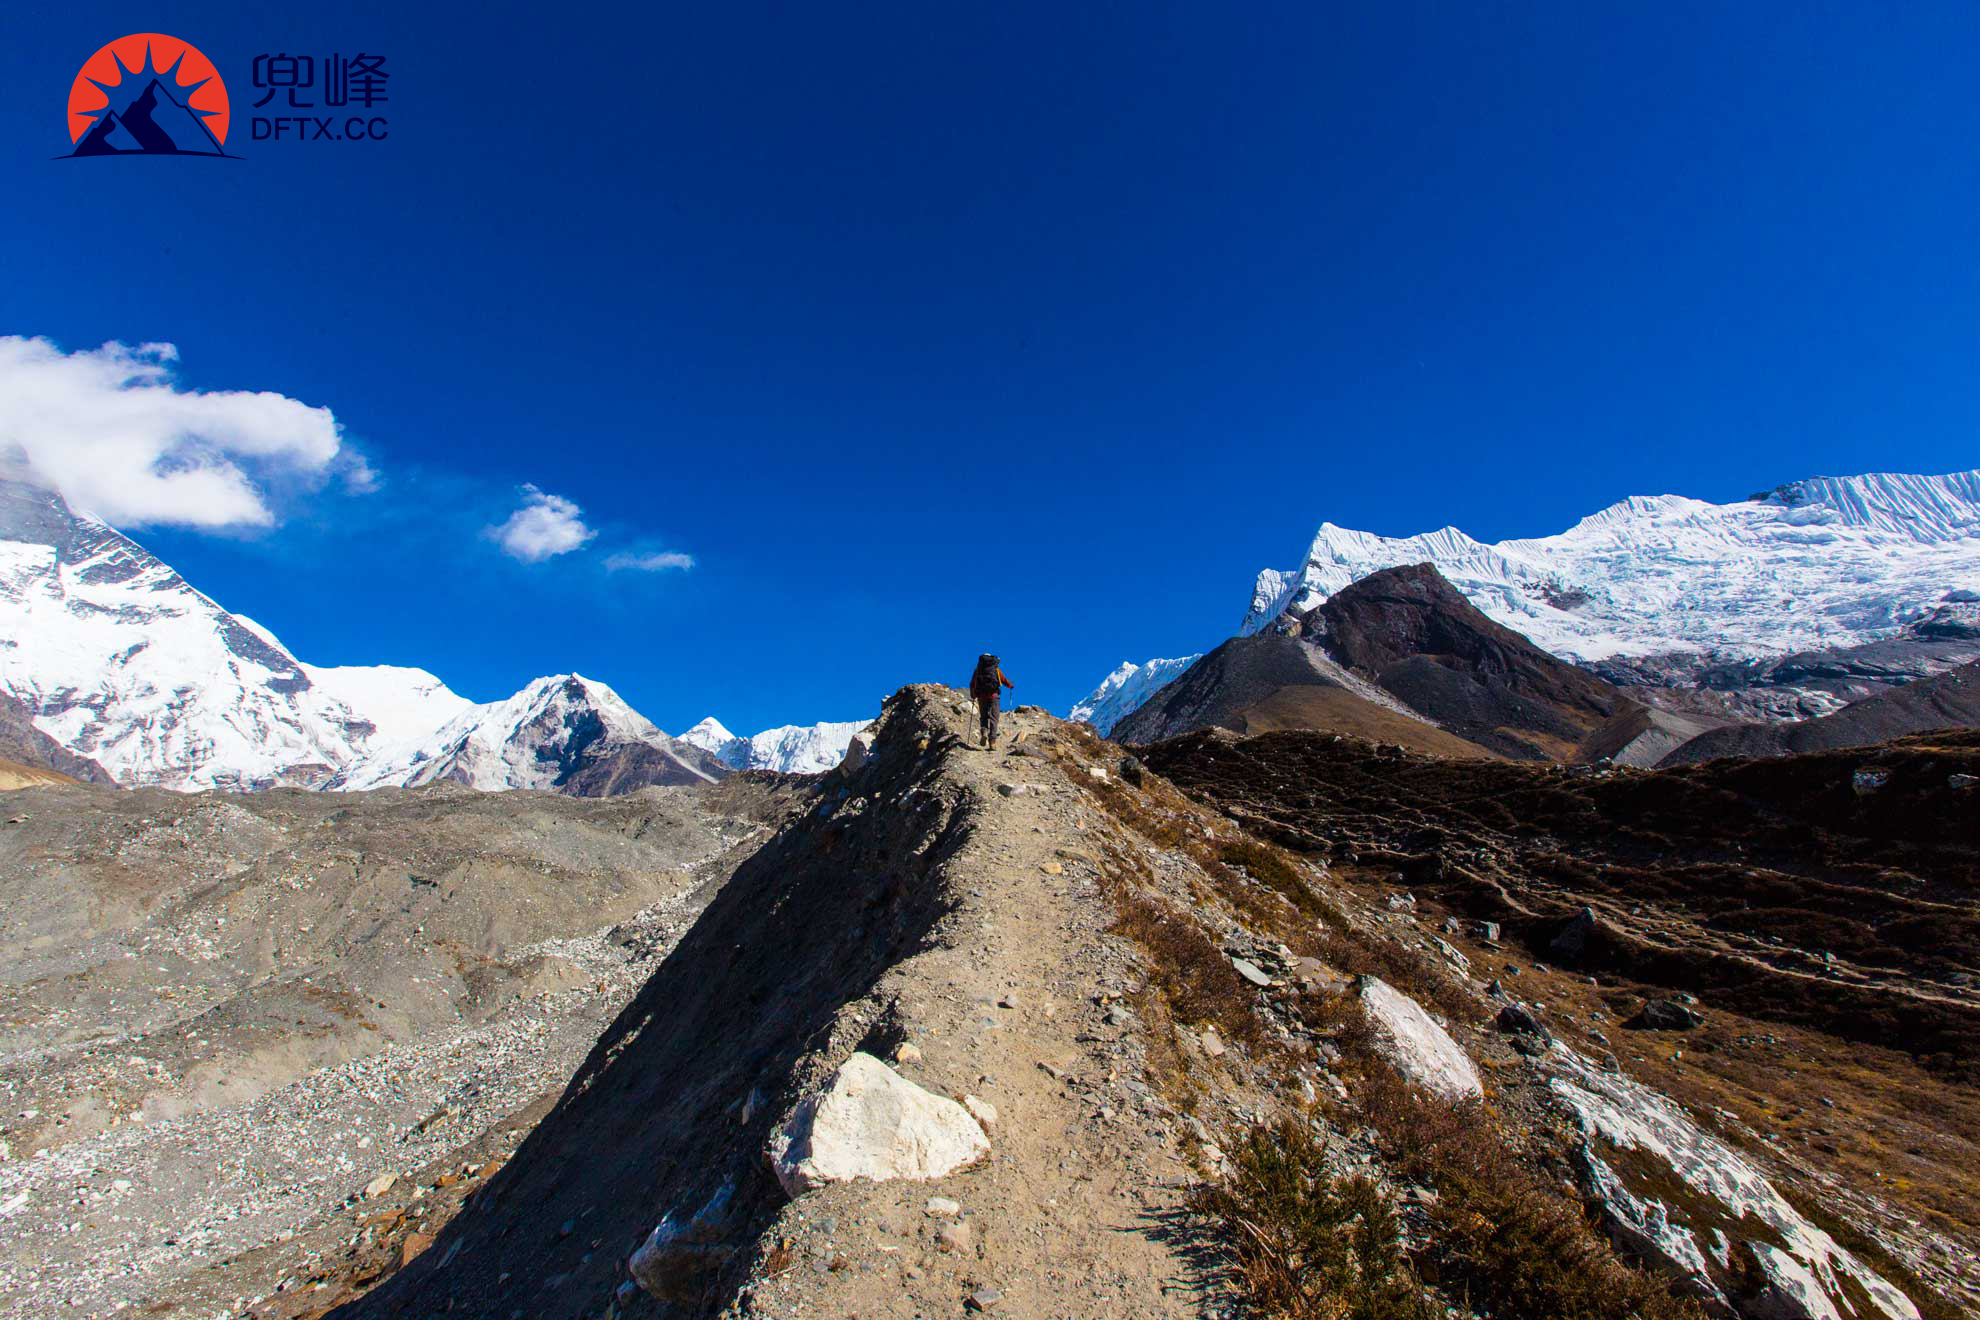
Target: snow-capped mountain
1784, 606
117, 660
792, 748
1822, 563
565, 732
1125, 690
122, 662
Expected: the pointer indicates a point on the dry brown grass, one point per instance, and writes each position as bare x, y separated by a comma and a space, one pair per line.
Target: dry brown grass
1303, 1244
1192, 973
1505, 1240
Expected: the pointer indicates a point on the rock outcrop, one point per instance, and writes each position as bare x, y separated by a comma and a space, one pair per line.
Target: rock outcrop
1807, 1274
870, 1122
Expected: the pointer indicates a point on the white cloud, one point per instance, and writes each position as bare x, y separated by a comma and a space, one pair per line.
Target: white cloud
545, 526
652, 561
113, 431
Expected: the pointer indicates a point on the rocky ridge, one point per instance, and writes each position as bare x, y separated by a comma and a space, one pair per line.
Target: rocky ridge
1120, 990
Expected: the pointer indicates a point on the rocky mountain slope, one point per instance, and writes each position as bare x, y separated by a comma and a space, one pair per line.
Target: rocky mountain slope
13, 774
224, 1014
1398, 656
1947, 701
1720, 970
1032, 1032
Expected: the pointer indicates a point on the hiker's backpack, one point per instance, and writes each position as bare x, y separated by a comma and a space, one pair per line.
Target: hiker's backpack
983, 683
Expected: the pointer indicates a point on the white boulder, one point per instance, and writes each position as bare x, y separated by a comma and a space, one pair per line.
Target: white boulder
870, 1122
1421, 1050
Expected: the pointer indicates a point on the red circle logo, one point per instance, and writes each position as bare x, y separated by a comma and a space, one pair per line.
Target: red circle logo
116, 82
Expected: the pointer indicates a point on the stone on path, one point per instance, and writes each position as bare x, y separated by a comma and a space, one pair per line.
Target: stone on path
870, 1122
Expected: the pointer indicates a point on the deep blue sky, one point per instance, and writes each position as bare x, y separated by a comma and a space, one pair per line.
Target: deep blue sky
932, 329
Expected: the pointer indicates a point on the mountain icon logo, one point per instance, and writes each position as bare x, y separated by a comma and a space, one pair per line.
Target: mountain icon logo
148, 94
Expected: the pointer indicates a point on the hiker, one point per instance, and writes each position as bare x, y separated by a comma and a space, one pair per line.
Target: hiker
987, 685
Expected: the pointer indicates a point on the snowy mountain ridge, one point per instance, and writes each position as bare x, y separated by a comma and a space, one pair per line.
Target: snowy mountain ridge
543, 737
124, 663
1125, 690
1839, 583
1823, 562
121, 661
792, 748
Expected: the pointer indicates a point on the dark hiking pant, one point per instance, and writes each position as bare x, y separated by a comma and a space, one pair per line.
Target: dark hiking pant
986, 718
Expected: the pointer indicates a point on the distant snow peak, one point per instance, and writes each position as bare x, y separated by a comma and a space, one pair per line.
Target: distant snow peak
791, 748
1822, 562
1125, 691
122, 661
563, 732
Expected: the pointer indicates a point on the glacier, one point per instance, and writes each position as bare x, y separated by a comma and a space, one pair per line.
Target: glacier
1822, 562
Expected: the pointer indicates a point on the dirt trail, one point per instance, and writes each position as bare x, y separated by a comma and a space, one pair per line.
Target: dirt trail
943, 898
1068, 1216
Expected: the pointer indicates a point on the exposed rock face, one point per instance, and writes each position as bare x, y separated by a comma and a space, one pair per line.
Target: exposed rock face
1417, 637
870, 1122
1398, 657
1421, 1050
1809, 1276
26, 745
1948, 701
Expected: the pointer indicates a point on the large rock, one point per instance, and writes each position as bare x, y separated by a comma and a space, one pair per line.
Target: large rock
1570, 946
858, 749
674, 1262
1421, 1050
870, 1122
